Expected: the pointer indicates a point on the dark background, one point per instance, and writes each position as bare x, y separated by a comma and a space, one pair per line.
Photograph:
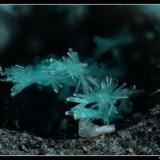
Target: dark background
29, 34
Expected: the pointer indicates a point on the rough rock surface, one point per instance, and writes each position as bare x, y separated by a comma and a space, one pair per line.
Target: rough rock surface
142, 138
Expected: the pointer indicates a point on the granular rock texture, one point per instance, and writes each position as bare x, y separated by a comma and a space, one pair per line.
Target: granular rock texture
141, 138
